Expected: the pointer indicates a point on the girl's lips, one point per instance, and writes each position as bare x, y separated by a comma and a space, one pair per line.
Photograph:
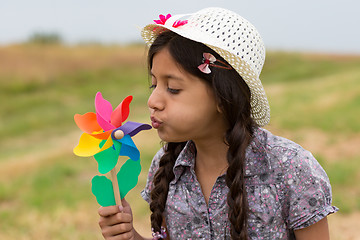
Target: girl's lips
155, 123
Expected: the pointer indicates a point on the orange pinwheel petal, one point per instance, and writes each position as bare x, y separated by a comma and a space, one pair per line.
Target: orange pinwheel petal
101, 135
87, 122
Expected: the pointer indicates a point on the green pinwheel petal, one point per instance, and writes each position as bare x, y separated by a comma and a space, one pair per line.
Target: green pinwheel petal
102, 189
128, 176
108, 158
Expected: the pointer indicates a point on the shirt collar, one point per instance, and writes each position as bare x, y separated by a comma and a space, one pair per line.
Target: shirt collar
185, 159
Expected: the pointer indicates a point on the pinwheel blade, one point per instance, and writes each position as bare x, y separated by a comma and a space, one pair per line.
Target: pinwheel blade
128, 148
121, 113
133, 128
107, 159
128, 176
88, 146
103, 112
87, 122
102, 188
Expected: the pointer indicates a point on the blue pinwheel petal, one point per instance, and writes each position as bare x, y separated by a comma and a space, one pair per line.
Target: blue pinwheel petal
128, 148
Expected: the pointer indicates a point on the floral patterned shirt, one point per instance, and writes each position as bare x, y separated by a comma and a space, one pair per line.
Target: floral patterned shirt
287, 189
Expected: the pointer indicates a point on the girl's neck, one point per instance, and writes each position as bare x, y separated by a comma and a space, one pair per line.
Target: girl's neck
211, 155
210, 163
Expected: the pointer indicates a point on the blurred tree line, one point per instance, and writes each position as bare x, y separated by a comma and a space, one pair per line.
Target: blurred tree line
43, 38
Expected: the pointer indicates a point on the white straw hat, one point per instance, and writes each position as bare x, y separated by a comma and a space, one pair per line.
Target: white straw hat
232, 37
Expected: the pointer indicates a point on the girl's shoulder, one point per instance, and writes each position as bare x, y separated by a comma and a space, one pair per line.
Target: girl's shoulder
276, 147
268, 140
302, 186
271, 154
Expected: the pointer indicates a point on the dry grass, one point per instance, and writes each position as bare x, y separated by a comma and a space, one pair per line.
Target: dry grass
44, 63
26, 159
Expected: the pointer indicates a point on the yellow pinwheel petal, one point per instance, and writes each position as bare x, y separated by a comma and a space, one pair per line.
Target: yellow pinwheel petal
108, 143
88, 146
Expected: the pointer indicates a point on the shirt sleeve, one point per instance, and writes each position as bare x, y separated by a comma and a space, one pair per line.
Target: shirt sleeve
145, 193
308, 191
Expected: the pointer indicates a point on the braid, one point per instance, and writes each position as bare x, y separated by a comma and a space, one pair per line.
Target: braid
234, 100
238, 139
161, 181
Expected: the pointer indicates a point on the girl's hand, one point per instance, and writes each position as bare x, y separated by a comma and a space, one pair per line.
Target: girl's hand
116, 222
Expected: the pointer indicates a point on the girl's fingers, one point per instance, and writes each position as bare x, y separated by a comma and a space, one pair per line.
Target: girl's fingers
108, 211
116, 222
124, 203
125, 206
122, 229
117, 218
127, 236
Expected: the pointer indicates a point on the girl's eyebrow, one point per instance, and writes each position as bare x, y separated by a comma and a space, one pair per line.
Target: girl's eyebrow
168, 76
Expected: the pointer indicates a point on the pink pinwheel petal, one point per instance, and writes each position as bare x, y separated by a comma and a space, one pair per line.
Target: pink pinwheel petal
103, 123
103, 107
87, 122
121, 113
103, 112
158, 21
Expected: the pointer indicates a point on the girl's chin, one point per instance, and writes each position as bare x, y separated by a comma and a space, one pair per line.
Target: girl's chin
167, 137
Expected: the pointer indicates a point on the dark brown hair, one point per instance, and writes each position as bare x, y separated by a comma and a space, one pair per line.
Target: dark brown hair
233, 97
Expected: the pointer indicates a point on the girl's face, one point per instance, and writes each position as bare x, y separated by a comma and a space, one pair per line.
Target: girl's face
182, 106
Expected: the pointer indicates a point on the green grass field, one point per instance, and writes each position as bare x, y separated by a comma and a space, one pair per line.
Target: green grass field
45, 189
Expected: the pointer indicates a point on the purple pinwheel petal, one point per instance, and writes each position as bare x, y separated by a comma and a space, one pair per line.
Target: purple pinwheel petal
132, 128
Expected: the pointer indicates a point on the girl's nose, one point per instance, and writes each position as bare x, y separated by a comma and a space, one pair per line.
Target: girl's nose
156, 101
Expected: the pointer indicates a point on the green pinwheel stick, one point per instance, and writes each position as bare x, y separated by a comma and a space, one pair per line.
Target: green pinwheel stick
106, 137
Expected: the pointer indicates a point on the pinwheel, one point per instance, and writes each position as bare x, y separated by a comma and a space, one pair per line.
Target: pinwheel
106, 138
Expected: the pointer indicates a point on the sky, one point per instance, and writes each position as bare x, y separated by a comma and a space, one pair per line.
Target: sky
305, 25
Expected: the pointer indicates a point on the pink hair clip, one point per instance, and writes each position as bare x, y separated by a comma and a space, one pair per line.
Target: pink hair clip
209, 60
157, 235
163, 19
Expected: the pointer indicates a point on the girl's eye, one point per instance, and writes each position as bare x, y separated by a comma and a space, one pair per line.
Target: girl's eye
152, 87
173, 91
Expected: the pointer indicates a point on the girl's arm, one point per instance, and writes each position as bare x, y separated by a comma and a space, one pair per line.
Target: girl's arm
317, 231
116, 224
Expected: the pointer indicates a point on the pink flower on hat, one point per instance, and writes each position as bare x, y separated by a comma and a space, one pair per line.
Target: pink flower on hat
163, 19
179, 23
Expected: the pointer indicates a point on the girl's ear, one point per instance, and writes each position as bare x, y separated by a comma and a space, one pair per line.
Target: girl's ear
219, 109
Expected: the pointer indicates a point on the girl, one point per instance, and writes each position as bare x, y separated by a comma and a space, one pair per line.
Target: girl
220, 175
